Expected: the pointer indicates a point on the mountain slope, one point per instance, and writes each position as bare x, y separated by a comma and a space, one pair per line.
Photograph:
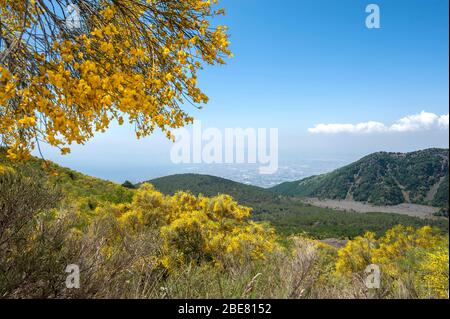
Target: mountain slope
73, 184
383, 179
211, 186
289, 215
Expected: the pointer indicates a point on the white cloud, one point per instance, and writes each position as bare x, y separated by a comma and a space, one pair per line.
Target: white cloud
367, 127
443, 121
416, 122
411, 123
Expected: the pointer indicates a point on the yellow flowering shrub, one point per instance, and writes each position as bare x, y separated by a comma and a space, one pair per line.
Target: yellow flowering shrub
401, 244
197, 228
159, 246
6, 171
134, 60
435, 269
417, 258
356, 254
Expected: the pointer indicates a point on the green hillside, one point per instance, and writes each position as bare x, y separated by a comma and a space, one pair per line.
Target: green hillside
211, 186
287, 215
74, 185
290, 215
383, 179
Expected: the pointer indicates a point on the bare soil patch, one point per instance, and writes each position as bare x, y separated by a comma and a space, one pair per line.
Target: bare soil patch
414, 210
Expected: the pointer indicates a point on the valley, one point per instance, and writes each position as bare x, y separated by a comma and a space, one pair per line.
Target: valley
415, 210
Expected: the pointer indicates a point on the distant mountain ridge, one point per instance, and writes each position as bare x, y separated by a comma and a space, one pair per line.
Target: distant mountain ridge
382, 178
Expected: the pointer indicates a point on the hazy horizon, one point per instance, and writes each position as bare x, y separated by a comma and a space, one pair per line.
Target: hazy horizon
290, 168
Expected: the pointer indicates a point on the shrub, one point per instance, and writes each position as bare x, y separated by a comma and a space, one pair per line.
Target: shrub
186, 246
413, 262
199, 229
29, 249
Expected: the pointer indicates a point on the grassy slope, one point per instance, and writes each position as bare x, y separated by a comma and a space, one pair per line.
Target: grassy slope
73, 184
380, 178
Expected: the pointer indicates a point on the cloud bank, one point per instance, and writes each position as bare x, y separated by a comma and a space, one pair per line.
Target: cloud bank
411, 123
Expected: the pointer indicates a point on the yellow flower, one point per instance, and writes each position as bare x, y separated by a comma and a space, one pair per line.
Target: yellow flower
28, 121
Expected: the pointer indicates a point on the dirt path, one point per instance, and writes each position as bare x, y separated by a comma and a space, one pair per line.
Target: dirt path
414, 210
334, 242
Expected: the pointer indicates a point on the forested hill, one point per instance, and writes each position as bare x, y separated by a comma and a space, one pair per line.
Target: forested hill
212, 186
382, 178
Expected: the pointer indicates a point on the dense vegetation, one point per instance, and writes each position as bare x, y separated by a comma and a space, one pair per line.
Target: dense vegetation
382, 178
211, 186
323, 223
186, 246
289, 215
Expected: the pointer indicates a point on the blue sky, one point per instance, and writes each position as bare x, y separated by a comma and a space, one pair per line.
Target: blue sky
299, 63
314, 60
